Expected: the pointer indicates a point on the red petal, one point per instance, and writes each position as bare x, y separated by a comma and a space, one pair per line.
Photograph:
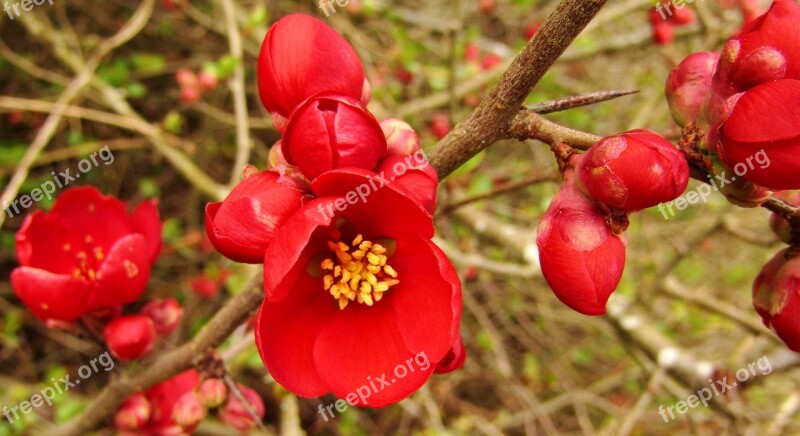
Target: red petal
292, 249
123, 275
427, 301
88, 213
454, 359
147, 221
362, 345
417, 180
287, 330
50, 296
765, 113
383, 209
300, 57
42, 242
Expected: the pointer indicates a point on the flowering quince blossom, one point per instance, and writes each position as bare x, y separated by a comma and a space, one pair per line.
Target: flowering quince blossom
581, 259
633, 171
300, 57
86, 254
328, 132
353, 294
755, 92
776, 297
687, 86
159, 403
242, 225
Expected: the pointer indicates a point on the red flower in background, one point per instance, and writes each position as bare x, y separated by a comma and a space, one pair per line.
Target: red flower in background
162, 399
300, 57
242, 225
353, 294
633, 171
329, 132
86, 254
235, 414
581, 259
130, 337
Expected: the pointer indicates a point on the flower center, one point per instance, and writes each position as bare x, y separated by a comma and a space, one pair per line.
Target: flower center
88, 259
358, 272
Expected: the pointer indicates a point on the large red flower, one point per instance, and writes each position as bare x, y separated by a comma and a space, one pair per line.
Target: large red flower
86, 254
760, 139
242, 225
300, 57
356, 292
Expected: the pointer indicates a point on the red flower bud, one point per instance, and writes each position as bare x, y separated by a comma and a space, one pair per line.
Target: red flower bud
633, 171
208, 80
663, 33
133, 414
471, 51
760, 139
581, 259
241, 226
440, 125
188, 410
236, 415
413, 176
166, 314
683, 16
186, 78
490, 61
454, 359
688, 85
130, 337
779, 225
401, 139
329, 132
300, 57
212, 392
776, 297
531, 29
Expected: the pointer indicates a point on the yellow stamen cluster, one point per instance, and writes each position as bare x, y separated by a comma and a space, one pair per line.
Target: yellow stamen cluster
87, 265
358, 273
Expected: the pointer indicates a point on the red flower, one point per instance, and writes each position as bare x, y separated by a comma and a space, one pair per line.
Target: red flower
767, 49
760, 139
663, 33
241, 226
235, 414
688, 84
130, 337
162, 399
329, 132
86, 254
354, 293
413, 176
581, 259
776, 297
301, 57
633, 171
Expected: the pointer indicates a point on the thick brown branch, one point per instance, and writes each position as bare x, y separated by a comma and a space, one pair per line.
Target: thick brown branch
491, 119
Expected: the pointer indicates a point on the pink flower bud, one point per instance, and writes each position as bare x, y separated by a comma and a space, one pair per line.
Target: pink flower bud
329, 132
663, 33
134, 413
440, 125
688, 86
130, 337
188, 410
236, 415
166, 314
401, 139
581, 259
454, 359
208, 80
190, 95
186, 78
633, 171
212, 392
776, 297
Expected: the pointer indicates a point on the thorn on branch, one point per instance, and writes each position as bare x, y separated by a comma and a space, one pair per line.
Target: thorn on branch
577, 101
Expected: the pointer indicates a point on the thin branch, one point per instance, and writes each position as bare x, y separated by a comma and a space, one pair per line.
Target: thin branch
170, 363
492, 118
84, 77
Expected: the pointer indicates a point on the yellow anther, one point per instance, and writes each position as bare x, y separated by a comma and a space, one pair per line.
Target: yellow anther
358, 272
